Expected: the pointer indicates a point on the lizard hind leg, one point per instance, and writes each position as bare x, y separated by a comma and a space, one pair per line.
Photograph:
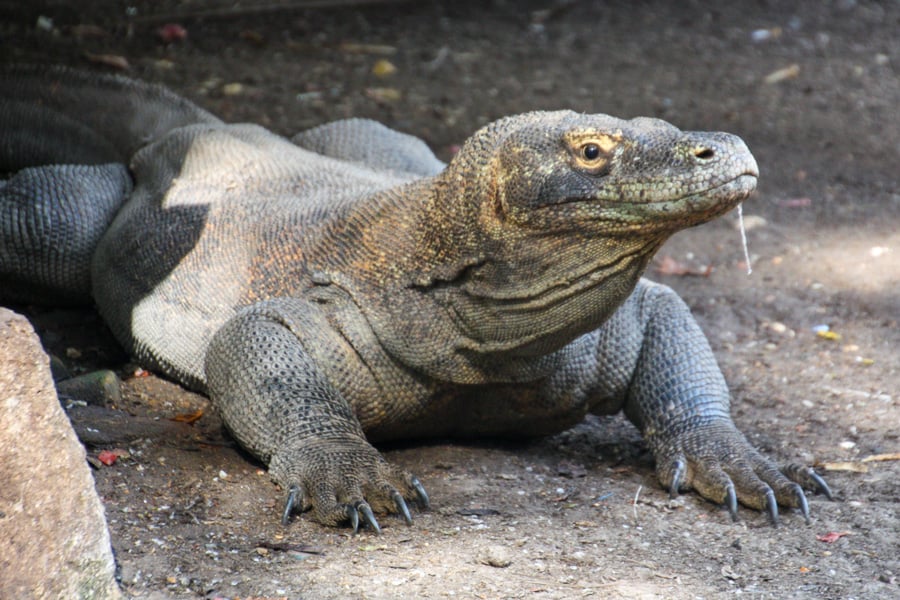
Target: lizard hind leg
51, 220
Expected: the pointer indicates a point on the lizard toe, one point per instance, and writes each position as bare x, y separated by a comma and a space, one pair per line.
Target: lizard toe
719, 464
402, 508
294, 501
672, 475
807, 478
365, 511
728, 485
342, 481
421, 495
731, 502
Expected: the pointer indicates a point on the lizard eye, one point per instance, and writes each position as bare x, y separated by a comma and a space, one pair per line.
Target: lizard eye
590, 152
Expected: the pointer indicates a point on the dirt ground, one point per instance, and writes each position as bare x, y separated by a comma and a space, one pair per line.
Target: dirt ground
813, 88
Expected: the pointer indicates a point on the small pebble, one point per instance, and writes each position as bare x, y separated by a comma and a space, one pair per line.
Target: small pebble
495, 556
383, 68
44, 23
789, 72
752, 222
233, 89
778, 327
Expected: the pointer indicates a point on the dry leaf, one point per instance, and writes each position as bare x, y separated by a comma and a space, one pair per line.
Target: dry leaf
667, 265
172, 32
88, 31
882, 457
832, 536
845, 466
384, 95
829, 335
188, 417
381, 49
110, 60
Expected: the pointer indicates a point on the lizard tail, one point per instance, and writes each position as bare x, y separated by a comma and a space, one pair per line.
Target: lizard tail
56, 115
65, 139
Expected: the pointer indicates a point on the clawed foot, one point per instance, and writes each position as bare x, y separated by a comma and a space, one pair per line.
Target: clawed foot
341, 480
361, 508
719, 463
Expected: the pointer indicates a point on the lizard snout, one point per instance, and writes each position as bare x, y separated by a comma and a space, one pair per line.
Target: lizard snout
727, 153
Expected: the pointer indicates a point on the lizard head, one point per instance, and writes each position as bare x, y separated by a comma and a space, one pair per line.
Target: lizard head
596, 174
555, 216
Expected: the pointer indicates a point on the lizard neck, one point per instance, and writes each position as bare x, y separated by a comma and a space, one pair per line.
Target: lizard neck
468, 300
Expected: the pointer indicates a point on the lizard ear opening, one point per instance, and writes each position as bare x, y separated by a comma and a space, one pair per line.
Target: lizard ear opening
499, 203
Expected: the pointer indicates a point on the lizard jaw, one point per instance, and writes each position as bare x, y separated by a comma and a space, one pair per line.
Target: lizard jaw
671, 215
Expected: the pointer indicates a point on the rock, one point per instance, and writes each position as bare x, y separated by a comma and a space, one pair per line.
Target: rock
58, 369
495, 556
100, 388
53, 537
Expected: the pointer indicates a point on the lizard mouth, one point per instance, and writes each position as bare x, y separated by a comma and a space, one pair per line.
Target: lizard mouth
674, 214
725, 196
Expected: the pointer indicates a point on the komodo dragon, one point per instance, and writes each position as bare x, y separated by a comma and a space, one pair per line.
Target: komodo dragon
347, 287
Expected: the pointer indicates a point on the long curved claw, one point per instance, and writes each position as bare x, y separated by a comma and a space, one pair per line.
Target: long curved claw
353, 515
290, 503
400, 503
421, 494
806, 477
820, 483
772, 508
369, 517
731, 502
678, 475
802, 504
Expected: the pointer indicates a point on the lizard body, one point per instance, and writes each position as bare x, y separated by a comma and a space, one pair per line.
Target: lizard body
346, 286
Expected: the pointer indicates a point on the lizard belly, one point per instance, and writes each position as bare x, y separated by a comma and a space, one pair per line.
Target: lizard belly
501, 410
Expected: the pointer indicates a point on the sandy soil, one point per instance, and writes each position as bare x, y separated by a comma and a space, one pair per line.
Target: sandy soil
813, 88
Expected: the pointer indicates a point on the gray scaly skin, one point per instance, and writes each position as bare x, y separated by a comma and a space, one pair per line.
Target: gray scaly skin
360, 292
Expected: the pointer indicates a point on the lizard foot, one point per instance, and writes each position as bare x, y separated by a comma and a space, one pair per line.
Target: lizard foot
716, 460
341, 480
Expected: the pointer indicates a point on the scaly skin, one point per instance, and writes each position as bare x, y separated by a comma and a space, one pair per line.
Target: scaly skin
327, 302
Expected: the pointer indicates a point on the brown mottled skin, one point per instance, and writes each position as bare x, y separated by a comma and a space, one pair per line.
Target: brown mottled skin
346, 287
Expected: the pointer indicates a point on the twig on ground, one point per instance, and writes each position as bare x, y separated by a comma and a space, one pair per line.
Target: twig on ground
241, 11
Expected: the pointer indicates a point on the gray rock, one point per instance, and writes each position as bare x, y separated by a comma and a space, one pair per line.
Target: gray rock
495, 556
53, 537
100, 388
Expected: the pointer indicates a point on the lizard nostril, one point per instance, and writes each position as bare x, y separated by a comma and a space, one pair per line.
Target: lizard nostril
704, 152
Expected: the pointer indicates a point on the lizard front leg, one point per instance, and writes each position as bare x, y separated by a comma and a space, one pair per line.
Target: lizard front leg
653, 359
281, 406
